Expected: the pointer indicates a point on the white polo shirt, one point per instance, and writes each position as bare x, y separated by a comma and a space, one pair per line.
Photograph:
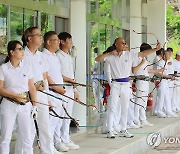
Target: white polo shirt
141, 70
16, 78
176, 65
53, 66
37, 62
121, 65
66, 64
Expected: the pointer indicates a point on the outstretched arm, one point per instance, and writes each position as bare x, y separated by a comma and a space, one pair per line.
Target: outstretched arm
148, 52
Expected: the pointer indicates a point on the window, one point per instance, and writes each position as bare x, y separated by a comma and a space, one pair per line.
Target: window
3, 27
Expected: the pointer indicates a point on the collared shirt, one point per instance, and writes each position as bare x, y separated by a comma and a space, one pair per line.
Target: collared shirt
66, 64
141, 70
53, 66
121, 65
37, 62
176, 65
16, 78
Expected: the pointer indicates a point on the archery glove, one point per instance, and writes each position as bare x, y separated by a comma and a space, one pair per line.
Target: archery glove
34, 112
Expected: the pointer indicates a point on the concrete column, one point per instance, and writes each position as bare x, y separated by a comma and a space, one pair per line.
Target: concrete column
135, 23
156, 21
78, 31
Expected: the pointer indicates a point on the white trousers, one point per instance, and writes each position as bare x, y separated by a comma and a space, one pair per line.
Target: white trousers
119, 95
9, 113
55, 121
45, 137
176, 96
62, 131
142, 90
130, 111
164, 99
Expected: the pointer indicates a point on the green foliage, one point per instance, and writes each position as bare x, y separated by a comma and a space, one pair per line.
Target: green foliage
173, 28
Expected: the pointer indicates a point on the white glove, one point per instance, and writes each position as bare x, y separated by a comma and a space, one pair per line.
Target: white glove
34, 112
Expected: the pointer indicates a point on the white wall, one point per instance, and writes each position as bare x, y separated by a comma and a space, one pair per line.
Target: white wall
78, 31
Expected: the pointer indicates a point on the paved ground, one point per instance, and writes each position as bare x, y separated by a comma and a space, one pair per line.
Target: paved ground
93, 142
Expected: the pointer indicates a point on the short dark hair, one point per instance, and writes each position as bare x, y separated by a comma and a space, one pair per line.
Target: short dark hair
64, 35
47, 36
28, 32
159, 52
145, 46
169, 49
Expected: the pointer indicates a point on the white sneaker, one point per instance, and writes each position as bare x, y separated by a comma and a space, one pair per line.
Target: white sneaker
57, 152
161, 115
61, 147
115, 133
72, 146
147, 123
138, 124
133, 126
125, 133
110, 134
172, 115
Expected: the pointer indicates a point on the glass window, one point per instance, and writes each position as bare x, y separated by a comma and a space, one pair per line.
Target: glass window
93, 6
46, 22
3, 28
16, 23
29, 18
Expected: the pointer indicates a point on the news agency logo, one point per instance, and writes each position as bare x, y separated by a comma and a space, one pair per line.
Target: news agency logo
155, 139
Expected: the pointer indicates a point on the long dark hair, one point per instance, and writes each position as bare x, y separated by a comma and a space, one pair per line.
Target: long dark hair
11, 46
28, 32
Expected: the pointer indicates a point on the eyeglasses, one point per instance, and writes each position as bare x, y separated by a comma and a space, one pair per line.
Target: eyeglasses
123, 43
55, 40
39, 35
19, 49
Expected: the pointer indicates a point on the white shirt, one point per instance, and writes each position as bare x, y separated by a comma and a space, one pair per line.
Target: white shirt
16, 78
141, 70
170, 66
121, 65
176, 65
156, 60
161, 64
66, 64
37, 62
53, 66
107, 72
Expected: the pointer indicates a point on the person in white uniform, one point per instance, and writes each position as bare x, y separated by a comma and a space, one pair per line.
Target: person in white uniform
120, 63
32, 40
142, 86
163, 91
68, 76
51, 45
16, 80
176, 93
156, 60
171, 71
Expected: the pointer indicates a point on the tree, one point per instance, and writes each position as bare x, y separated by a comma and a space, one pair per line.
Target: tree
173, 27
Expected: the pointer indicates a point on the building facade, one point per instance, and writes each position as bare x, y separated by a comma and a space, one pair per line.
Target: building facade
94, 24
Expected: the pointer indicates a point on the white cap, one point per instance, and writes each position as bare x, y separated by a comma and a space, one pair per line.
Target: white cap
178, 53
